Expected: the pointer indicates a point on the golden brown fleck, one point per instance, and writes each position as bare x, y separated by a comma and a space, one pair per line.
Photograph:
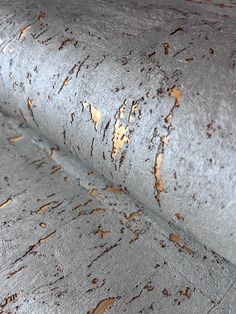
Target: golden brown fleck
168, 119
16, 138
95, 193
43, 240
95, 281
42, 225
95, 115
30, 103
167, 48
159, 182
103, 306
149, 287
179, 217
113, 189
186, 292
134, 216
133, 111
56, 169
4, 204
66, 179
43, 209
102, 233
176, 93
175, 238
165, 141
9, 299
119, 137
65, 42
52, 153
24, 31
64, 84
97, 211
136, 233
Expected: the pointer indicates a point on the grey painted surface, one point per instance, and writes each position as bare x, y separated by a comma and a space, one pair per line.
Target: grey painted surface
50, 256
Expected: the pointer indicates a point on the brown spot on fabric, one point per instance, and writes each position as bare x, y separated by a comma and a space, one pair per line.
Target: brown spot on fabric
179, 217
103, 306
16, 138
136, 233
5, 203
64, 84
119, 137
43, 240
97, 211
186, 292
164, 141
115, 190
95, 193
30, 103
52, 153
15, 272
149, 287
95, 115
167, 48
176, 93
168, 119
43, 209
42, 225
24, 31
95, 281
102, 233
9, 299
134, 216
64, 43
56, 169
175, 238
133, 111
211, 51
159, 184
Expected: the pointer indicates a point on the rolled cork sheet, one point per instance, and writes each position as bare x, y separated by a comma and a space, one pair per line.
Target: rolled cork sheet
143, 93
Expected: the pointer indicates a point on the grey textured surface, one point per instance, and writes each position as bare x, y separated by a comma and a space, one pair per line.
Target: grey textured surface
51, 255
127, 56
142, 96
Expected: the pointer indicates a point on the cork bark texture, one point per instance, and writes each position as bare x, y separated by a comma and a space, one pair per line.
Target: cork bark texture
118, 153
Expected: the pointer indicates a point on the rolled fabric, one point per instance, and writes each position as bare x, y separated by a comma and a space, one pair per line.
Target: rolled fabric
143, 93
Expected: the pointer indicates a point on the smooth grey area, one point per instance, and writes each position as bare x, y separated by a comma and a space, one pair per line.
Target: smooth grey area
58, 258
57, 58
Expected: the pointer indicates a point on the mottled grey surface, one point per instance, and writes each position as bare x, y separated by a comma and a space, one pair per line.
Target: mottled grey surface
136, 94
68, 242
123, 58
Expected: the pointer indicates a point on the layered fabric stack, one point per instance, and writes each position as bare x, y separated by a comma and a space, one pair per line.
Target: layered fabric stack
118, 156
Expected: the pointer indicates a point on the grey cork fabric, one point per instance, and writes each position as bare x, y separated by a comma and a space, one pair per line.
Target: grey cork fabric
117, 156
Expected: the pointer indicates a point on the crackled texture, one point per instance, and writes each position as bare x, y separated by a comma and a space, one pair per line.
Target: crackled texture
120, 85
142, 94
70, 244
